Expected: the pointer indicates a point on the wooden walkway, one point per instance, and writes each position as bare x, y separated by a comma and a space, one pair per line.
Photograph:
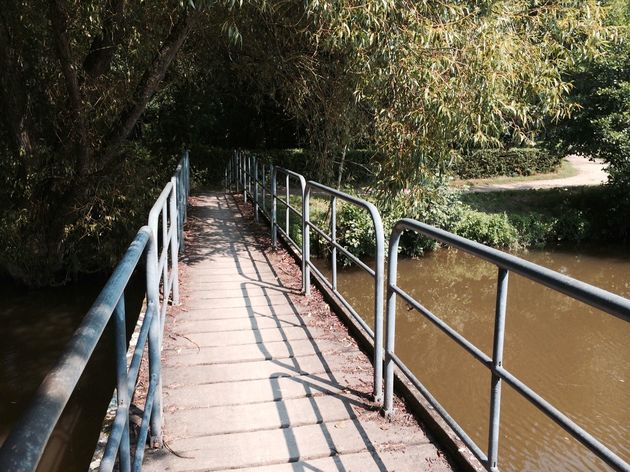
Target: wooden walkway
253, 379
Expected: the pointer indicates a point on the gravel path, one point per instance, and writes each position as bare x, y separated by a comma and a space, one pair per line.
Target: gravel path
589, 173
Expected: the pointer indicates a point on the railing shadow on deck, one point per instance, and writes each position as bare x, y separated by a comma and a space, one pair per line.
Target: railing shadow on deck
314, 384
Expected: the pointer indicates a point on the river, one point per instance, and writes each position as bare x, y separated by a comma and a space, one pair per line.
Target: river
574, 356
36, 326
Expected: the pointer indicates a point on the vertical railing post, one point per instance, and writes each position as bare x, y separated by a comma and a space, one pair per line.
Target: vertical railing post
379, 276
306, 243
174, 241
245, 177
237, 164
274, 206
122, 390
392, 274
252, 184
186, 187
164, 250
497, 361
287, 214
153, 293
333, 236
264, 187
256, 209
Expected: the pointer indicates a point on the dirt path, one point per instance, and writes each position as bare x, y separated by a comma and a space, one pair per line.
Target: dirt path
588, 173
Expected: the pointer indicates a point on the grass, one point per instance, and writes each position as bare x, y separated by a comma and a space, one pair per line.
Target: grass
546, 201
566, 170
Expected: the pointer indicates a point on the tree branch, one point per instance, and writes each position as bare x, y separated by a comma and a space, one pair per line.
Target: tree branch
148, 85
59, 22
99, 58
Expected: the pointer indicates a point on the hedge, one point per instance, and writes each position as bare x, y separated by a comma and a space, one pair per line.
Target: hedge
484, 163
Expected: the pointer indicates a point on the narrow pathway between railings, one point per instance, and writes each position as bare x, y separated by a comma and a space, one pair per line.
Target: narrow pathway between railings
258, 377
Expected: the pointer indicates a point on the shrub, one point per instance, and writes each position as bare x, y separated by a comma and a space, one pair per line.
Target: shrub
484, 163
492, 229
355, 231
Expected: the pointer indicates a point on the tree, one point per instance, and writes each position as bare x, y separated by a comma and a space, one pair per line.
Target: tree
76, 78
444, 75
415, 79
600, 126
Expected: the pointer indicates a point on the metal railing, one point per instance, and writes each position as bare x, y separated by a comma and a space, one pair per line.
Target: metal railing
25, 445
289, 209
377, 273
244, 171
598, 298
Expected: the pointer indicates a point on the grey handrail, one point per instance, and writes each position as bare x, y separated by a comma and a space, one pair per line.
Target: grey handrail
241, 175
244, 172
377, 273
596, 297
24, 447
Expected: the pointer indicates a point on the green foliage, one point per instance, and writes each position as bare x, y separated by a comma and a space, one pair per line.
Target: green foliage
434, 205
438, 77
557, 216
505, 220
486, 228
600, 128
99, 98
483, 163
355, 231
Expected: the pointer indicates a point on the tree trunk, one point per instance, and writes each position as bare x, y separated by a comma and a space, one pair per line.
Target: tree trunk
341, 164
147, 87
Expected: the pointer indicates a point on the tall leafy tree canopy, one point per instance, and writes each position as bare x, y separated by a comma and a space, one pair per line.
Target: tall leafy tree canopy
85, 84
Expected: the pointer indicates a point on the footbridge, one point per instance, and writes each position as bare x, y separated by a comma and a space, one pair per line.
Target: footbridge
237, 362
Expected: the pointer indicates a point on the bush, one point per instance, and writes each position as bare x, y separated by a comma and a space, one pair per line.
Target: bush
355, 231
484, 163
492, 229
436, 206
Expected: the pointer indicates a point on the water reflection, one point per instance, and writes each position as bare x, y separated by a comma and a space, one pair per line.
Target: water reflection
36, 326
574, 356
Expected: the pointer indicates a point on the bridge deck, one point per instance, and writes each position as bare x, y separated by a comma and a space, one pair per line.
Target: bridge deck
255, 379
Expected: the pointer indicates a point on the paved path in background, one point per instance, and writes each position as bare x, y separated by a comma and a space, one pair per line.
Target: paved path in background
589, 173
251, 384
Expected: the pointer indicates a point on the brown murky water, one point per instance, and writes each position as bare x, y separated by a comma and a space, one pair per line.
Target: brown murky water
36, 326
572, 355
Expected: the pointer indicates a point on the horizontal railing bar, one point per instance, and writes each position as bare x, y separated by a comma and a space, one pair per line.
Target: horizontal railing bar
290, 207
475, 449
477, 353
589, 294
144, 427
344, 196
23, 448
564, 421
345, 252
283, 233
284, 170
115, 436
136, 360
342, 299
